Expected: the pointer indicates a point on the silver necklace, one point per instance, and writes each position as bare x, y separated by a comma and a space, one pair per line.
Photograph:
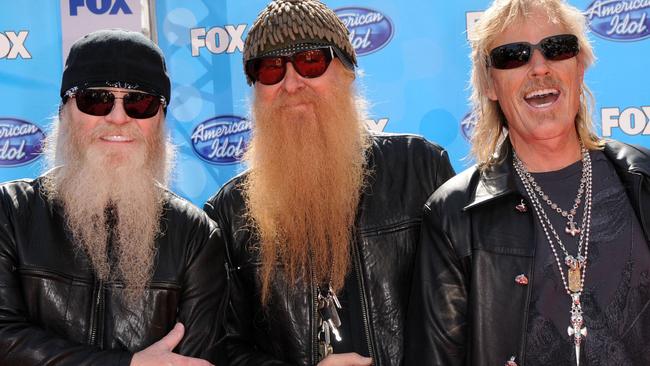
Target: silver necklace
571, 227
577, 266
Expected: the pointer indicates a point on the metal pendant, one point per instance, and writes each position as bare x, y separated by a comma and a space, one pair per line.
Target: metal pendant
574, 272
575, 279
576, 329
572, 228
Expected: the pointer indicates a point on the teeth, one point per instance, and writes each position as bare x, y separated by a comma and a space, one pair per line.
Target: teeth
539, 93
544, 105
116, 138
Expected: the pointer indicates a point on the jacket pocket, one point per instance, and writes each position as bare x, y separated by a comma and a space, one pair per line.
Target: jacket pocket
413, 223
57, 302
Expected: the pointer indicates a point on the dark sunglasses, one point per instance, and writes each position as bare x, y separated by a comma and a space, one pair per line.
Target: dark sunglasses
100, 102
270, 70
554, 48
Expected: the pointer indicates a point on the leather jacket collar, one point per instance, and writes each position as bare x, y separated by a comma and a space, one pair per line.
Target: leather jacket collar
496, 181
632, 165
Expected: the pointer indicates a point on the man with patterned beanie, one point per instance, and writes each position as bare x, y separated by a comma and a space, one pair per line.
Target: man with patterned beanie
322, 228
100, 264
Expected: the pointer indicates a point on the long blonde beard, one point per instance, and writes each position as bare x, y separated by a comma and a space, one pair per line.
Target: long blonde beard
306, 175
89, 183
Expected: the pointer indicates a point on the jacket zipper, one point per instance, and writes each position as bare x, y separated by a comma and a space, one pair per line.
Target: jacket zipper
364, 302
100, 317
97, 309
314, 310
364, 305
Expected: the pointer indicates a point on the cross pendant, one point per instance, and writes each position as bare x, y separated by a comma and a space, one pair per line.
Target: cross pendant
571, 228
577, 330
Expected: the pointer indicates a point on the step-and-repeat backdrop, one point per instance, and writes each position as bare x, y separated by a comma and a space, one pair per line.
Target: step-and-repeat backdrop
414, 69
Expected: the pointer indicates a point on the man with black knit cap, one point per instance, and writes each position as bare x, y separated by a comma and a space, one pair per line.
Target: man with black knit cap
99, 263
321, 230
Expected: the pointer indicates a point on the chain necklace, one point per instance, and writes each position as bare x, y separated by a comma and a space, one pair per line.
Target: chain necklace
571, 227
577, 266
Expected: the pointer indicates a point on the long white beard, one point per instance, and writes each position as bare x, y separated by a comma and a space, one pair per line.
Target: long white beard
88, 182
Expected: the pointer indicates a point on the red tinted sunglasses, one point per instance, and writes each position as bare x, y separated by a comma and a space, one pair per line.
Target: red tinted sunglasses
269, 70
100, 102
555, 48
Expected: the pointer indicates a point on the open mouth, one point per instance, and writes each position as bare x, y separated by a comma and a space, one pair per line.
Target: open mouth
542, 98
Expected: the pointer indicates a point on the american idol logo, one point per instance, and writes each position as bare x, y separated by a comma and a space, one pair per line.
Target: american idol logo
222, 139
20, 142
370, 30
620, 20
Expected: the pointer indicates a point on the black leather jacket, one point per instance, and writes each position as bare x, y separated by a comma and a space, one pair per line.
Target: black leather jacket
466, 308
406, 169
53, 311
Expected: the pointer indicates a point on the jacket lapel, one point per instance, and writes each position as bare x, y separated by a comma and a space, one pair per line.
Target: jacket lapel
632, 165
496, 181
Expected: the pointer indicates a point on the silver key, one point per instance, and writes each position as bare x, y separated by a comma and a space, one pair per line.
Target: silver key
328, 305
324, 344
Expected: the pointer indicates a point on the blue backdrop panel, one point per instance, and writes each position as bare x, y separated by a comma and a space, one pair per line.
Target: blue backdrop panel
202, 42
30, 72
414, 69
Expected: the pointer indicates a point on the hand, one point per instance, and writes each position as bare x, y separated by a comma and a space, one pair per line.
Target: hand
160, 353
346, 359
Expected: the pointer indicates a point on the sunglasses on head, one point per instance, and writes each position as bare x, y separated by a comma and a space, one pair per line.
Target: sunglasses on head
100, 102
554, 48
269, 70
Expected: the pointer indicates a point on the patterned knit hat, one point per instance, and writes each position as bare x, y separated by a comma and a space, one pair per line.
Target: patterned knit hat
287, 25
